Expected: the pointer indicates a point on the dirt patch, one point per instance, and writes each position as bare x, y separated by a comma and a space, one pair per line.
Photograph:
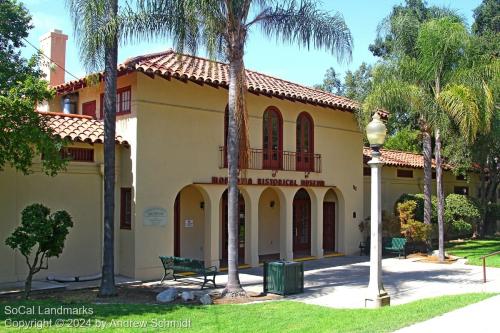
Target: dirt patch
133, 294
250, 298
422, 257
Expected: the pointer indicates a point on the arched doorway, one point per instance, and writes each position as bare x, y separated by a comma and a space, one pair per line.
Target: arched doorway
189, 223
305, 142
241, 228
269, 225
301, 224
329, 221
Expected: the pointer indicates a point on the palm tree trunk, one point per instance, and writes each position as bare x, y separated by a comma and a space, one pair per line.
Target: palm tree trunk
236, 70
440, 193
107, 288
427, 149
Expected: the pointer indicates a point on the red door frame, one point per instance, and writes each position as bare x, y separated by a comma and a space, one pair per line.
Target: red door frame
328, 226
241, 209
305, 155
272, 155
177, 226
300, 204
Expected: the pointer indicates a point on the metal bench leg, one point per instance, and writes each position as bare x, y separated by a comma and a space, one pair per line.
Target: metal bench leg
215, 286
205, 280
164, 276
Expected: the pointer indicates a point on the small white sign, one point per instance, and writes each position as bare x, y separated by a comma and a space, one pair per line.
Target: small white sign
155, 216
188, 223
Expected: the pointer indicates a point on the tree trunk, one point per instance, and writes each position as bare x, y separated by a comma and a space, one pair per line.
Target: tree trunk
236, 70
427, 149
27, 285
440, 194
107, 288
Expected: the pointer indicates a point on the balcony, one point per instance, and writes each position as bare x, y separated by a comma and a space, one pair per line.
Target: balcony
261, 159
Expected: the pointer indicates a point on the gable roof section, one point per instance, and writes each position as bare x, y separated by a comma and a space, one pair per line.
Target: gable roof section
78, 128
403, 159
170, 64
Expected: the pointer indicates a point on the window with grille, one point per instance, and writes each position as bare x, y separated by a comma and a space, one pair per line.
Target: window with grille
402, 173
78, 154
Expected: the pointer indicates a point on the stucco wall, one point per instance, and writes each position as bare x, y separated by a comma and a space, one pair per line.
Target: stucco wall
393, 187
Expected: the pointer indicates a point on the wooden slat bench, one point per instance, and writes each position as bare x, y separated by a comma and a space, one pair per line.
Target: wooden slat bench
395, 245
173, 265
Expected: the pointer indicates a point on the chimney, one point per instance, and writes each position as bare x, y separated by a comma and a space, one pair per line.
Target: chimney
53, 45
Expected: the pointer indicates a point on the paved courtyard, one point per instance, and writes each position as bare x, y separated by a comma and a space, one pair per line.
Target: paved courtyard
341, 281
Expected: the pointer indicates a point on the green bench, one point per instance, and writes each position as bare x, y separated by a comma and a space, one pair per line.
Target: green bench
395, 245
173, 265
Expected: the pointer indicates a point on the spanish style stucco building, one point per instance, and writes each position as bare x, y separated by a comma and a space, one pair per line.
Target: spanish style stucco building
303, 195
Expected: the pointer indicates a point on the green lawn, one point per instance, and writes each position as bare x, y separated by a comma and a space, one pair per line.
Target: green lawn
474, 249
278, 316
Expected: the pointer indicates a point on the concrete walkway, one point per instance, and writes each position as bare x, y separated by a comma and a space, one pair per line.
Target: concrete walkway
341, 282
478, 317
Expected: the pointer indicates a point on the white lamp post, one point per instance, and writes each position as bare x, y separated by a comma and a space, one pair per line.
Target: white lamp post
376, 296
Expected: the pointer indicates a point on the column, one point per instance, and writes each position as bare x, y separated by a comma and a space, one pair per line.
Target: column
376, 296
212, 225
286, 223
252, 196
317, 221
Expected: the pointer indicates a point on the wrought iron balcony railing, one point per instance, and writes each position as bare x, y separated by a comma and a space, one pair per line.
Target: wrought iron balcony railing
268, 159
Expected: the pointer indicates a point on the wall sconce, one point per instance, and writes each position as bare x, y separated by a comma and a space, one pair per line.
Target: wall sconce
271, 204
202, 205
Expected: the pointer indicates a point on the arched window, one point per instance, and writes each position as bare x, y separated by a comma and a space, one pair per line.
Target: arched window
272, 139
305, 142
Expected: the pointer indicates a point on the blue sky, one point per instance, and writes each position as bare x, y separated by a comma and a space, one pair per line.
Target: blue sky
284, 61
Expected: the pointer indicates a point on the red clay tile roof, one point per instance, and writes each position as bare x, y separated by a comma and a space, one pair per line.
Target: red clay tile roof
401, 159
186, 67
77, 128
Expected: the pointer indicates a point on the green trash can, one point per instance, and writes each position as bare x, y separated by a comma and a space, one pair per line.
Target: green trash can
283, 277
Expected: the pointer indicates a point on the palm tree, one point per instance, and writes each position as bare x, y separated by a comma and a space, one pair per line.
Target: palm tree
438, 86
95, 27
221, 27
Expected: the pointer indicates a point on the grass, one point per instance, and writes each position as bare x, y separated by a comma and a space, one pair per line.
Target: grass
276, 316
474, 249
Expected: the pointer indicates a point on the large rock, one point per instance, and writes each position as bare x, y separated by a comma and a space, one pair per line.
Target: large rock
187, 296
206, 299
167, 295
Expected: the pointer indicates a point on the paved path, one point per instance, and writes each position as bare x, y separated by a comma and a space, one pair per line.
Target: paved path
341, 281
479, 317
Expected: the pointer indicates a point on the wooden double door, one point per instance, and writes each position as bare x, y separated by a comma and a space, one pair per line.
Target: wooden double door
302, 223
328, 226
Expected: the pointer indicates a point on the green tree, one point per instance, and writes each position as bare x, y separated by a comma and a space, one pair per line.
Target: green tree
222, 27
24, 133
331, 83
40, 236
397, 33
487, 18
406, 139
358, 84
96, 26
435, 84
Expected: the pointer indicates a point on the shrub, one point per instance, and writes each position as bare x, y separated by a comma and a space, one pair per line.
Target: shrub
419, 209
412, 229
461, 213
41, 230
390, 226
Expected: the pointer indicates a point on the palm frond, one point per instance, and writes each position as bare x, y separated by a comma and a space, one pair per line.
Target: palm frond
304, 24
460, 102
